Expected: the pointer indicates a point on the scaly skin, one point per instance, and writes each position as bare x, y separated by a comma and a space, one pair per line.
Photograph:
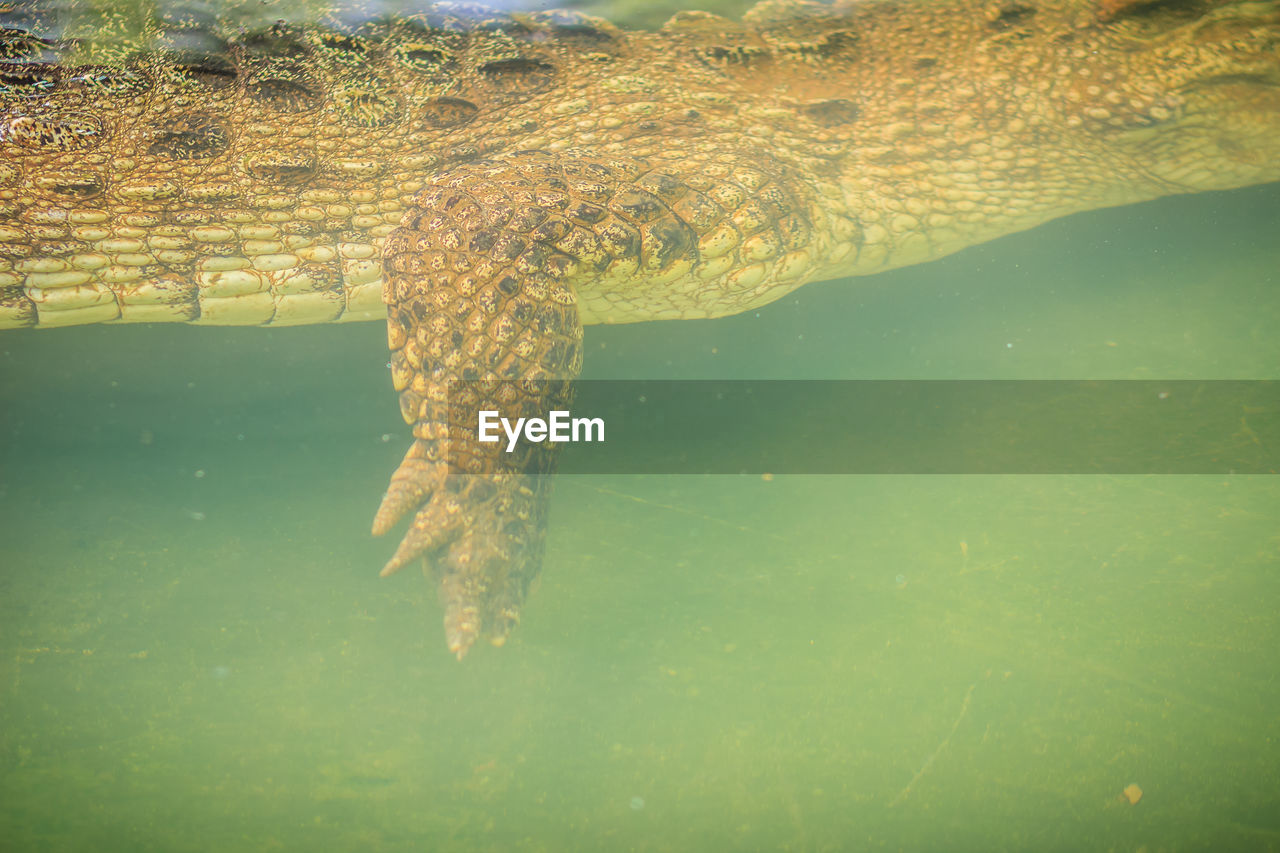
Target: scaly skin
501, 182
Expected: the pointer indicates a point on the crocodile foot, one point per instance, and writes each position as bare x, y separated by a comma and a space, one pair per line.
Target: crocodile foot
484, 534
481, 315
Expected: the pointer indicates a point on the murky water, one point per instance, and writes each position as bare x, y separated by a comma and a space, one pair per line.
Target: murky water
196, 652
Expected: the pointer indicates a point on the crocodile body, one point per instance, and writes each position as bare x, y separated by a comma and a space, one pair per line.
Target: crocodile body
489, 183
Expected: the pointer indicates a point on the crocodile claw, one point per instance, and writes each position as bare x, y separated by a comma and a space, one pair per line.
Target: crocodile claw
482, 537
412, 482
485, 575
439, 518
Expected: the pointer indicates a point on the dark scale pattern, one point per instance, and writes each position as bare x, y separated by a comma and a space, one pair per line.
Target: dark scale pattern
76, 185
282, 168
831, 113
423, 56
68, 133
447, 112
28, 79
284, 95
364, 107
189, 139
517, 77
107, 82
195, 72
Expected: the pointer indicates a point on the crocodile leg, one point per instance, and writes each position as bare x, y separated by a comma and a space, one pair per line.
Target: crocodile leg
476, 290
483, 281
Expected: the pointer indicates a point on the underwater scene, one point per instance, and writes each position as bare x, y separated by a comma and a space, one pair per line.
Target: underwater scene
197, 653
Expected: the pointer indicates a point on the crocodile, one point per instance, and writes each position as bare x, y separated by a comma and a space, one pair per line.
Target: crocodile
488, 183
